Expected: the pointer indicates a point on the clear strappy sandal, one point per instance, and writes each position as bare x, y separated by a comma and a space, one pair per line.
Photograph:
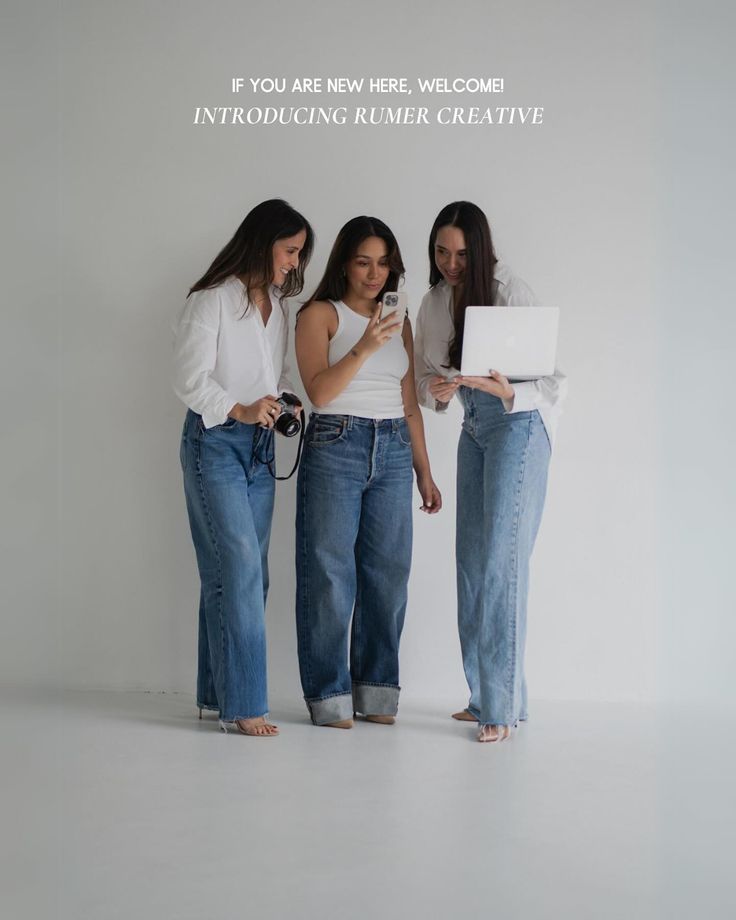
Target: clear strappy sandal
494, 733
251, 730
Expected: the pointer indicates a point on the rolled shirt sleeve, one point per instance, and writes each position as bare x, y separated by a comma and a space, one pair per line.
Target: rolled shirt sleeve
422, 373
547, 393
195, 356
424, 367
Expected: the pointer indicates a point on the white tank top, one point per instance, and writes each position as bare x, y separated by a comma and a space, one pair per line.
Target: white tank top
375, 391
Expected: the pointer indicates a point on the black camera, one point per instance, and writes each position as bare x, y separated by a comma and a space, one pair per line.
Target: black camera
288, 423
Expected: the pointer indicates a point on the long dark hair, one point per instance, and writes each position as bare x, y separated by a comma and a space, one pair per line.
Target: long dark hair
249, 253
480, 262
334, 283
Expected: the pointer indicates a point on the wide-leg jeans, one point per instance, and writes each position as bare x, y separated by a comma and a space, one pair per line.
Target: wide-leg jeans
501, 483
230, 498
354, 534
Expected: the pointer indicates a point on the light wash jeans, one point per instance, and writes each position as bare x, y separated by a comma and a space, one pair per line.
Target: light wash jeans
230, 503
353, 555
502, 466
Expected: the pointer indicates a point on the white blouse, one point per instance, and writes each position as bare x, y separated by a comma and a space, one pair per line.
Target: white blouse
223, 354
435, 331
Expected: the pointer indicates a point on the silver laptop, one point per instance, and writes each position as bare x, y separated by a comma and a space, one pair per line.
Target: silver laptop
520, 342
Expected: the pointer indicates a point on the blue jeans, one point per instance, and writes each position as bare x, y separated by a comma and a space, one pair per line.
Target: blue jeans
502, 466
353, 555
230, 503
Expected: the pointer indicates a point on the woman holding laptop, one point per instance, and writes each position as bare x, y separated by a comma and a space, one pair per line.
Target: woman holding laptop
503, 455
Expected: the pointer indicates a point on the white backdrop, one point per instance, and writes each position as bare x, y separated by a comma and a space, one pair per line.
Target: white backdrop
616, 209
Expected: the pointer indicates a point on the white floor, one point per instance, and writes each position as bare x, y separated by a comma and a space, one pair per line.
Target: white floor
123, 805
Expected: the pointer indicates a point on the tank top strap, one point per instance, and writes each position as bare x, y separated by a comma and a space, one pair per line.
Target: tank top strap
346, 315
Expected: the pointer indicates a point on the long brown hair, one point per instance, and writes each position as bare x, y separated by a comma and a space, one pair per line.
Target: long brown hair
478, 285
249, 254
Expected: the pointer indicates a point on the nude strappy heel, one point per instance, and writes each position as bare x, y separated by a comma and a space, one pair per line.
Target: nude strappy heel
252, 730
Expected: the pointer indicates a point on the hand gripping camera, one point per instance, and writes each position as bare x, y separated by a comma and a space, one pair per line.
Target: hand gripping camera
288, 423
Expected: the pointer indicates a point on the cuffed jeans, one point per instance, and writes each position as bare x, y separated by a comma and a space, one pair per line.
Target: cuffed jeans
354, 533
230, 503
501, 482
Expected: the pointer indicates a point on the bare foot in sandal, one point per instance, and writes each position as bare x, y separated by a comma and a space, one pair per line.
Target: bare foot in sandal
494, 733
256, 728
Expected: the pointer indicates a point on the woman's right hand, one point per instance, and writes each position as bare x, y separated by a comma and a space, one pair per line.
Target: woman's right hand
377, 332
262, 412
443, 388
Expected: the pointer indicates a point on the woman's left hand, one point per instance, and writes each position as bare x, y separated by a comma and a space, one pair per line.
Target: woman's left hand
431, 498
495, 384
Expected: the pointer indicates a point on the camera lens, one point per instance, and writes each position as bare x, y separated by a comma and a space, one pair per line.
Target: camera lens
288, 425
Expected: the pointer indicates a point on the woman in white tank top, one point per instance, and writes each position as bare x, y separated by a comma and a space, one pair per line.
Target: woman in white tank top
354, 516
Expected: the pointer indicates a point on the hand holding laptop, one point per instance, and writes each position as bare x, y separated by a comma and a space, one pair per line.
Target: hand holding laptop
495, 384
443, 388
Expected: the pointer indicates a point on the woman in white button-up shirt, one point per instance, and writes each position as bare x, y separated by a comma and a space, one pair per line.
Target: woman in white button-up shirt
503, 455
229, 369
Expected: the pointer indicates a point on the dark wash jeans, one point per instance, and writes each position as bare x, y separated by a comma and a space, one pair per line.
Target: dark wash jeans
353, 556
230, 503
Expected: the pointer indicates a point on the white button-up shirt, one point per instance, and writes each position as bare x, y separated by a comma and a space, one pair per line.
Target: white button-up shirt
223, 354
435, 330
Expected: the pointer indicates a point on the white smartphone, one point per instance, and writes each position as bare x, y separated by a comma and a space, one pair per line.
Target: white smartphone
395, 302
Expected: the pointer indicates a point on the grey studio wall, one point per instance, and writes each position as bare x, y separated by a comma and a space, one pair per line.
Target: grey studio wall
605, 210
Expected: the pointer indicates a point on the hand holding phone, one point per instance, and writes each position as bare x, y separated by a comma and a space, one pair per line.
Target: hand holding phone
395, 302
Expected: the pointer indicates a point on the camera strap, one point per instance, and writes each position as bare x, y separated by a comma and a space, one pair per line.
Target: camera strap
270, 459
